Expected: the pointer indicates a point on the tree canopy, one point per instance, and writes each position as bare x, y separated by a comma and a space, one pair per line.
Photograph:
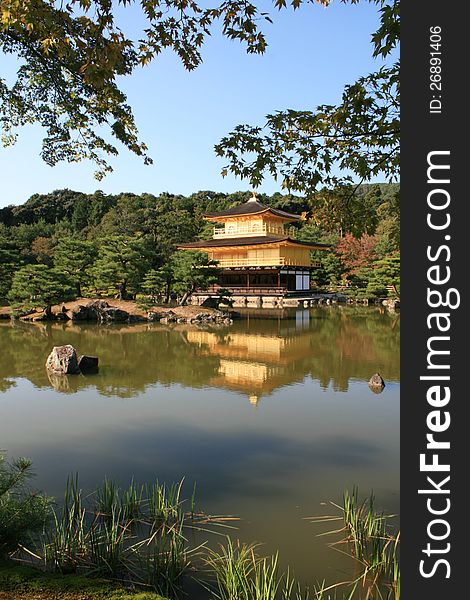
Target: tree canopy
125, 244
38, 285
71, 54
328, 146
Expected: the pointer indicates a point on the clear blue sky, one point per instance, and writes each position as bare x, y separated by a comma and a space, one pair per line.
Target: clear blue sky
312, 54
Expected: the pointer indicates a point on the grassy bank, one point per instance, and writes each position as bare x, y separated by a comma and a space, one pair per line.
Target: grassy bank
23, 582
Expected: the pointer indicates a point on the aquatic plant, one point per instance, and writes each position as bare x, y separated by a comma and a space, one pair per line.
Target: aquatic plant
374, 544
236, 572
65, 542
136, 534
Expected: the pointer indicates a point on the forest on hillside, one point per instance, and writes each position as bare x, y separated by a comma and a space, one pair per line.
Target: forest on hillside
66, 243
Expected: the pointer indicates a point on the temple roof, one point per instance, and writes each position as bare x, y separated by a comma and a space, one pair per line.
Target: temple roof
252, 207
249, 241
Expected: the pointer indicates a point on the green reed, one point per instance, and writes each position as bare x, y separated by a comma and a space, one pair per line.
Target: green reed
64, 546
238, 573
369, 538
135, 534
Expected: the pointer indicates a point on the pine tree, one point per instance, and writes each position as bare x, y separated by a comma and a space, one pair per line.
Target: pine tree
192, 270
35, 286
74, 257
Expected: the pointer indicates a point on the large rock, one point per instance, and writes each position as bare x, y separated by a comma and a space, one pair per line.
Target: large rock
104, 313
63, 360
79, 313
88, 364
114, 315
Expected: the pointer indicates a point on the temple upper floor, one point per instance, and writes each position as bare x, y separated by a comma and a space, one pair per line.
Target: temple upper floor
250, 219
235, 228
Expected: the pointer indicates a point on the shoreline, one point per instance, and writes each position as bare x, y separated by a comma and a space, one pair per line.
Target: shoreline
110, 310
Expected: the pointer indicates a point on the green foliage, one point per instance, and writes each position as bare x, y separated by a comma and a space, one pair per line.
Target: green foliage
23, 512
385, 273
137, 534
10, 261
192, 270
121, 264
74, 257
374, 544
67, 226
38, 286
72, 55
155, 282
306, 149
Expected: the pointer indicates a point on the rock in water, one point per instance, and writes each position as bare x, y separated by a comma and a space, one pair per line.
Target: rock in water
376, 383
63, 359
88, 364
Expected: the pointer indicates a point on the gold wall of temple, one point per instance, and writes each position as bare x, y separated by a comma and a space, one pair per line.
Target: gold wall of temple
256, 256
296, 255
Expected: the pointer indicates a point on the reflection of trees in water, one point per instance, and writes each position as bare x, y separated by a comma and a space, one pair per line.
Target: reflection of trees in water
354, 343
335, 345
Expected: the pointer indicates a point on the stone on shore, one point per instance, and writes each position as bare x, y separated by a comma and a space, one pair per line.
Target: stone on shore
63, 360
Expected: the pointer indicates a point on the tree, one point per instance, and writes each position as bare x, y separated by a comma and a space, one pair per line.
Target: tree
22, 511
122, 262
74, 257
41, 248
306, 149
10, 262
386, 272
155, 283
40, 286
192, 270
357, 253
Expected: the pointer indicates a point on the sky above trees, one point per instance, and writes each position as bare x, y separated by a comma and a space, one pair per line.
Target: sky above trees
312, 54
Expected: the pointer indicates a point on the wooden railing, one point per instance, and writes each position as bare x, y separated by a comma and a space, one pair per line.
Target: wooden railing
266, 290
251, 230
280, 261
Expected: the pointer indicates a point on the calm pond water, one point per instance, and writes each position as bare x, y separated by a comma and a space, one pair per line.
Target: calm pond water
272, 417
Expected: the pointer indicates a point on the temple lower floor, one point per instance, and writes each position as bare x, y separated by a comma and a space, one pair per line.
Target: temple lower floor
256, 280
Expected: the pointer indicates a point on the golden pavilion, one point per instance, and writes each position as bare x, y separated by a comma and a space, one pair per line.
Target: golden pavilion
255, 253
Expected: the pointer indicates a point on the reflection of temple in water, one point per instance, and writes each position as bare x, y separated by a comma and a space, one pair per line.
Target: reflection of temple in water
252, 363
262, 352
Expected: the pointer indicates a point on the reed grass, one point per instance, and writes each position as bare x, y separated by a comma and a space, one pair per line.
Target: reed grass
134, 534
65, 543
369, 538
238, 573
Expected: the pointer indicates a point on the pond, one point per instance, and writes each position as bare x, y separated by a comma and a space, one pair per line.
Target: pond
272, 416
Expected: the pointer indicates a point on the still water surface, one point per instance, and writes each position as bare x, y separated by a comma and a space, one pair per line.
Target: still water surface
272, 416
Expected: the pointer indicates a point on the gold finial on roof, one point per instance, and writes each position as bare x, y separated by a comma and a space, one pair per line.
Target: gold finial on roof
254, 197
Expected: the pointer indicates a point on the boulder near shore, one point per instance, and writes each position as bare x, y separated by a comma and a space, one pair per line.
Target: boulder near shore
64, 360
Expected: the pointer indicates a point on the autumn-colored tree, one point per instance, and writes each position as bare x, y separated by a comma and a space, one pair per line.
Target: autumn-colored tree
41, 248
356, 253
